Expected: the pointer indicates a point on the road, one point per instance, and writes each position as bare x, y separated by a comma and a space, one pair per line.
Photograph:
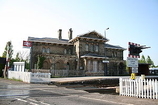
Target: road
19, 93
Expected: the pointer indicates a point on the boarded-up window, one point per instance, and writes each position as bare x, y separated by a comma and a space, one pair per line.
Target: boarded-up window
45, 65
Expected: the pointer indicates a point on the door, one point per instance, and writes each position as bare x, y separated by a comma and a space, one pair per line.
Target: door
95, 66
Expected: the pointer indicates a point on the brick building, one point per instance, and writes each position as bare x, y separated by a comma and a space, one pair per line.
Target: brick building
83, 55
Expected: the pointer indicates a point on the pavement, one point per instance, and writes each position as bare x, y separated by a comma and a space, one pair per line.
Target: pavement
69, 80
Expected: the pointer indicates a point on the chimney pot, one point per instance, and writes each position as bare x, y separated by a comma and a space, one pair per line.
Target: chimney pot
60, 34
70, 33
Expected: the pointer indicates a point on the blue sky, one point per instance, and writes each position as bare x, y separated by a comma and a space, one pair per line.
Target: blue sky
128, 21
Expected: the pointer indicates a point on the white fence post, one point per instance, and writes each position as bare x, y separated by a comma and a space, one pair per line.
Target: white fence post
156, 88
120, 83
142, 88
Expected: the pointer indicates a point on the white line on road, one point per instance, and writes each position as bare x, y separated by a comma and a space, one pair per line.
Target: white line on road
21, 100
105, 100
38, 101
26, 101
34, 102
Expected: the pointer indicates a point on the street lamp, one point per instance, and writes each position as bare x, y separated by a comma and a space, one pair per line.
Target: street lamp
105, 31
105, 72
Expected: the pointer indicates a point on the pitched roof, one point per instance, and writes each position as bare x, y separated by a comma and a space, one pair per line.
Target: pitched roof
49, 40
114, 47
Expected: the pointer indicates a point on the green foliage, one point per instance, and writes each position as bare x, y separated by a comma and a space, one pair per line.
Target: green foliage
27, 65
142, 60
40, 61
4, 54
9, 49
149, 61
17, 58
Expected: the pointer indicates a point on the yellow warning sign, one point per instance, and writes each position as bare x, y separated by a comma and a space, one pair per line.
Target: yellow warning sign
133, 76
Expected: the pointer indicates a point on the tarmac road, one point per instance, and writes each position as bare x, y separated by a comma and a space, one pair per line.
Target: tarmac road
19, 93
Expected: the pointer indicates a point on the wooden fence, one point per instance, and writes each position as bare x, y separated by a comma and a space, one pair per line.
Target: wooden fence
141, 88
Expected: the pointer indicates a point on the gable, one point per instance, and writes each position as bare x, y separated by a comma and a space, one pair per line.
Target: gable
92, 34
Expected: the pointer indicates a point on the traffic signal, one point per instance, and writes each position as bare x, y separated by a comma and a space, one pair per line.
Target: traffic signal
135, 50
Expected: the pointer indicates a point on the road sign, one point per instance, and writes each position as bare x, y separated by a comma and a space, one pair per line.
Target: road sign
132, 62
134, 50
134, 69
26, 44
105, 61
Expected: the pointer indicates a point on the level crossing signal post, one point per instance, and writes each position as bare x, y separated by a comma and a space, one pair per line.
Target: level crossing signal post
132, 59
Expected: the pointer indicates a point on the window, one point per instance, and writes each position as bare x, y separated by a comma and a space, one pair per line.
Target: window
69, 51
114, 54
91, 47
86, 47
65, 51
43, 50
96, 48
48, 50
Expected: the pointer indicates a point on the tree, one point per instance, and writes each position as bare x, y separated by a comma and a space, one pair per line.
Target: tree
8, 49
17, 58
148, 60
142, 60
8, 53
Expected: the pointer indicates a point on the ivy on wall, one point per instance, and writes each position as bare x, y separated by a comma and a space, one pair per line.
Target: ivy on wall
40, 61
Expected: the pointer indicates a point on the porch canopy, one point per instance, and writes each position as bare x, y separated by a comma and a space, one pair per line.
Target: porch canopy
93, 56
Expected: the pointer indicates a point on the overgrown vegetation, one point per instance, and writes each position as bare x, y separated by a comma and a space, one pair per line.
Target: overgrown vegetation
40, 61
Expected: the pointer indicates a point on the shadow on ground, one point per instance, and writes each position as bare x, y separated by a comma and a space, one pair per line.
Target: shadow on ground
102, 89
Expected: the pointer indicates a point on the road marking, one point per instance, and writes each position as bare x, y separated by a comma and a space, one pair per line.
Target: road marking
105, 100
34, 102
38, 101
21, 100
44, 103
26, 101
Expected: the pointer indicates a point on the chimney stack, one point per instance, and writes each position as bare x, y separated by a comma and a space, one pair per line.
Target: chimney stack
60, 34
70, 33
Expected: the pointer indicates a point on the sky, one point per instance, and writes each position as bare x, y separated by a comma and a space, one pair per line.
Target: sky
128, 21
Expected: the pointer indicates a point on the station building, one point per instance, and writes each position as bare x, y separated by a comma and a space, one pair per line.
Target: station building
85, 55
